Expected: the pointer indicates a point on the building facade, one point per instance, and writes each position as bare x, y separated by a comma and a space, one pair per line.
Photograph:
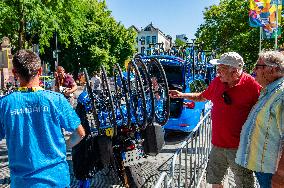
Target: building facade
5, 62
151, 38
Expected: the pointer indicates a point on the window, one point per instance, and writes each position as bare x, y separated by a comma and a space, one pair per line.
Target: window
148, 40
143, 50
154, 39
142, 40
148, 51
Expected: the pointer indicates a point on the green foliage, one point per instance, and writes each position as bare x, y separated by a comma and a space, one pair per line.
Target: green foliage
88, 36
226, 28
103, 40
34, 21
179, 42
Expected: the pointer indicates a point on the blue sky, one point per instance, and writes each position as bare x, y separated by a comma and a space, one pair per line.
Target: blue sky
172, 17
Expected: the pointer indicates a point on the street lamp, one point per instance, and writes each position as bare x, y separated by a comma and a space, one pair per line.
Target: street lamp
56, 51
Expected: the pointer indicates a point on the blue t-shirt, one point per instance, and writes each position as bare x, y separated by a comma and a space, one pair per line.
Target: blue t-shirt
32, 123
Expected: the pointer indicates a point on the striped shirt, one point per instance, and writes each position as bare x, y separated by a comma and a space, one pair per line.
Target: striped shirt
262, 135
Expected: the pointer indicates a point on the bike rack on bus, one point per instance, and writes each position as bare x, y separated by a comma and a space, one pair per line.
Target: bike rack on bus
124, 109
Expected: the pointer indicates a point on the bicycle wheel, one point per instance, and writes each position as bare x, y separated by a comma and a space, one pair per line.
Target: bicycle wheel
121, 98
104, 104
161, 91
137, 96
87, 98
147, 85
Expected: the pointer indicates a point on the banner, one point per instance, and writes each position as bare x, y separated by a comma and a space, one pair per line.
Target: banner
258, 12
263, 13
274, 20
271, 35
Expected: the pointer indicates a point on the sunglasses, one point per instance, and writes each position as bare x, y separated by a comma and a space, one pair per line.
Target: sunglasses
227, 98
258, 66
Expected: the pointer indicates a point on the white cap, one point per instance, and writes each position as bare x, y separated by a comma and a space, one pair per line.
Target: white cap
232, 59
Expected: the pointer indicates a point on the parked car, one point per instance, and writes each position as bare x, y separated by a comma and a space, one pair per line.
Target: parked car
185, 114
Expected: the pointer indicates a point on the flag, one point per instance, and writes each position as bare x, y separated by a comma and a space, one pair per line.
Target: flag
266, 14
263, 13
271, 35
258, 12
271, 26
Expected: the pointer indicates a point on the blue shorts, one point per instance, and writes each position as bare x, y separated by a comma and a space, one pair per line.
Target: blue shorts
264, 179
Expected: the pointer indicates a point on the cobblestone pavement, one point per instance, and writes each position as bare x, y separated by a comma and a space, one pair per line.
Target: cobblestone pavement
4, 169
152, 167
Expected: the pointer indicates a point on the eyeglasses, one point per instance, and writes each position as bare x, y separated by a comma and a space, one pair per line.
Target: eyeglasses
257, 66
227, 98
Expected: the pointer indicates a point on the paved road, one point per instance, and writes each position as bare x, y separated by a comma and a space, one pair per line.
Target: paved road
152, 167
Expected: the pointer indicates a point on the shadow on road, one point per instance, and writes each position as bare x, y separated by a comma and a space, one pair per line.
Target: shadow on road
172, 138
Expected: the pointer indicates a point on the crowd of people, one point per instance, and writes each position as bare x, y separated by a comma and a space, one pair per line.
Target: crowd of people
247, 122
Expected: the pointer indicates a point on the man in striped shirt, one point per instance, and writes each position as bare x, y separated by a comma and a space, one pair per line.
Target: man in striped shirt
262, 135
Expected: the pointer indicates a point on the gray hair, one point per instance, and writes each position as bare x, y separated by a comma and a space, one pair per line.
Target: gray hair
273, 59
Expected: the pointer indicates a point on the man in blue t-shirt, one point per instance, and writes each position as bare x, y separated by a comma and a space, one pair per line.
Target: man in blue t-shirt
32, 120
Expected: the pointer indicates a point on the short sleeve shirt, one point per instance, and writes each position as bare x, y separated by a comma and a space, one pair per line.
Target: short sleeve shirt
228, 119
262, 136
68, 81
36, 146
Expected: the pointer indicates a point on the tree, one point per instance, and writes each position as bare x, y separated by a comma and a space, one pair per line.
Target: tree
226, 28
88, 36
34, 21
179, 42
102, 42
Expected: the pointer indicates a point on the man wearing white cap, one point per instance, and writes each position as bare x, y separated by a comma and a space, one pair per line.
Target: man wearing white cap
233, 94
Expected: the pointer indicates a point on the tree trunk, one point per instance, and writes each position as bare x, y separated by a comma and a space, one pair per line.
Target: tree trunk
21, 26
21, 34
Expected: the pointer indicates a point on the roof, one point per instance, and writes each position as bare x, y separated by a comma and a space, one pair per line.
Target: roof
134, 27
150, 27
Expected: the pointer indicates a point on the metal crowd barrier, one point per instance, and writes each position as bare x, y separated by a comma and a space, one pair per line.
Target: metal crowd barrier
190, 160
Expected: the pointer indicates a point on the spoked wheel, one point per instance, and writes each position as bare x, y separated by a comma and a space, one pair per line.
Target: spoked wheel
86, 107
137, 96
147, 85
121, 98
104, 104
161, 91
